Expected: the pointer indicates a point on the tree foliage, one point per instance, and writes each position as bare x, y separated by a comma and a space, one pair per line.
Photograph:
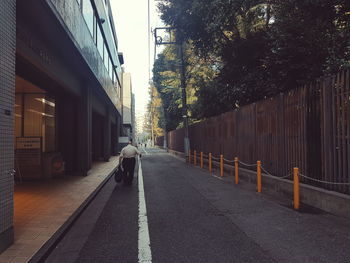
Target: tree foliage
154, 118
166, 79
250, 49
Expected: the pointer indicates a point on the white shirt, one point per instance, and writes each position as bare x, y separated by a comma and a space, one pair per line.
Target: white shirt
129, 151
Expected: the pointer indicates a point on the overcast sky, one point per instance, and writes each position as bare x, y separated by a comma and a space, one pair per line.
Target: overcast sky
130, 17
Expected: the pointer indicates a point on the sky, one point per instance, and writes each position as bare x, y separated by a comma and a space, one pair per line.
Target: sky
131, 23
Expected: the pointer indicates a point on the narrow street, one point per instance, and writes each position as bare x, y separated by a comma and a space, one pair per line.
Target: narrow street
195, 217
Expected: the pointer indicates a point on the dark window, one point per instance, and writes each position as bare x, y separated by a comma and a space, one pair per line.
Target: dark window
88, 14
111, 71
106, 57
95, 30
100, 42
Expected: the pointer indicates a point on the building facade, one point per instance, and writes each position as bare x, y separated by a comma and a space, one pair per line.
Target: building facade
128, 128
60, 92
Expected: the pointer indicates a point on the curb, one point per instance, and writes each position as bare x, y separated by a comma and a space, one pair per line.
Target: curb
42, 254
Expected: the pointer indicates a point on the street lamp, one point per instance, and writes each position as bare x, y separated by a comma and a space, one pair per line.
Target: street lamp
169, 40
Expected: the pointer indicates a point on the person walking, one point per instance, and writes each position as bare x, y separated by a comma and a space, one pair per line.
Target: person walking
128, 160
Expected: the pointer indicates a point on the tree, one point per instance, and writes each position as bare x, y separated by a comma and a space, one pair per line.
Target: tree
154, 118
235, 33
166, 79
309, 38
260, 48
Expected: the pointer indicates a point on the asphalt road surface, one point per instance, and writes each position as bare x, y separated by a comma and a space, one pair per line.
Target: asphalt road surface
195, 217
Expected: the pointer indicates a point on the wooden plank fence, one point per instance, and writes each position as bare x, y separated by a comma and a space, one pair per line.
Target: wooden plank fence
308, 127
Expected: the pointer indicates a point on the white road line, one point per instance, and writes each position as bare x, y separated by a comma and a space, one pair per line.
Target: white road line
144, 149
144, 244
217, 177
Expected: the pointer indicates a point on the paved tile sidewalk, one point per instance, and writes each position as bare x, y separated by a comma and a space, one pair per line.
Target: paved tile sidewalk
41, 208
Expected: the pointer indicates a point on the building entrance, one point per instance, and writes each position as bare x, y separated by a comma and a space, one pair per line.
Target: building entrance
35, 132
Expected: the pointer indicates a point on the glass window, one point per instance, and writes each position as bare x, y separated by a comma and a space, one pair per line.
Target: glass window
106, 57
18, 115
49, 125
99, 41
111, 69
39, 119
95, 30
88, 13
33, 112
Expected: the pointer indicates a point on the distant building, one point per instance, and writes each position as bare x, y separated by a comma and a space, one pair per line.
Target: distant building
60, 88
139, 120
133, 118
128, 127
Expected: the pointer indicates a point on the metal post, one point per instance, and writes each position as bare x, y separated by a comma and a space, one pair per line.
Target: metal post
209, 165
152, 132
296, 186
236, 170
201, 159
221, 165
258, 176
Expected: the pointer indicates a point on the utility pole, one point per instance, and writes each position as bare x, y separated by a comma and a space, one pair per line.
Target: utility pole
170, 41
184, 100
149, 69
151, 112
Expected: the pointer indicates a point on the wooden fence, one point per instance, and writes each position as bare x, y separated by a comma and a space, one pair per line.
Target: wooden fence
308, 127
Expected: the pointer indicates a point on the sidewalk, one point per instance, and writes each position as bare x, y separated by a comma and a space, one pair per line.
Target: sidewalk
41, 208
307, 235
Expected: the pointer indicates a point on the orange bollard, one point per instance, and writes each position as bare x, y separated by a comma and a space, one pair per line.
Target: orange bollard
195, 157
189, 156
209, 165
258, 176
201, 159
236, 170
296, 187
221, 165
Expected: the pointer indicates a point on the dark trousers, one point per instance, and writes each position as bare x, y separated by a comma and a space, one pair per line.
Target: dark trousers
129, 168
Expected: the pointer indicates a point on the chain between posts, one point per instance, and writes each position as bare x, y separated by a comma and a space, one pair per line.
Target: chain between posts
229, 161
281, 177
246, 164
320, 181
214, 158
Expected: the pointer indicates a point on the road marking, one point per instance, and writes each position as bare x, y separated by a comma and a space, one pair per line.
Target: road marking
217, 177
144, 245
144, 149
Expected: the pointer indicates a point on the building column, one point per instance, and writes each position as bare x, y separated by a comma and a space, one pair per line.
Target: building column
116, 134
84, 132
107, 135
7, 97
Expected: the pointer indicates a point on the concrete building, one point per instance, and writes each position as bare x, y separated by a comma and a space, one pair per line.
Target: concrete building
128, 130
139, 120
60, 92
